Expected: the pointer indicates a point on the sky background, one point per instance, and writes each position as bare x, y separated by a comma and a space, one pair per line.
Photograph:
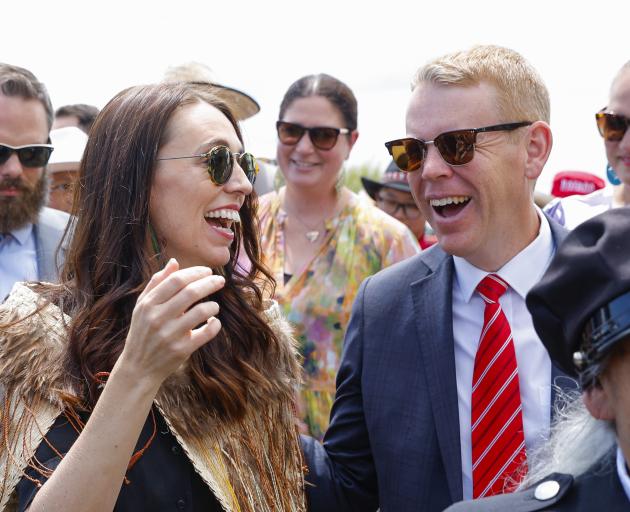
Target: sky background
85, 52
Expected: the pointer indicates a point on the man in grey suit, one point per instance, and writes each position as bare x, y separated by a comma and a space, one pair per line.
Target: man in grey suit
29, 232
444, 385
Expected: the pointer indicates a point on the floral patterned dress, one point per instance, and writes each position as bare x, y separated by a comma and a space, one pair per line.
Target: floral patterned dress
359, 242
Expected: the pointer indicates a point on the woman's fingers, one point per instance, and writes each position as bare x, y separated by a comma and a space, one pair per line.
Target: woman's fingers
174, 282
199, 314
171, 266
204, 334
192, 293
171, 320
194, 328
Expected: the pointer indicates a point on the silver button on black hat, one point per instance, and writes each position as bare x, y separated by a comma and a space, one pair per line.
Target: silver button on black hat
547, 490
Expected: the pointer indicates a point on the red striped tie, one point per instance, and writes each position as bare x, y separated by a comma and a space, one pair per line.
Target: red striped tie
498, 441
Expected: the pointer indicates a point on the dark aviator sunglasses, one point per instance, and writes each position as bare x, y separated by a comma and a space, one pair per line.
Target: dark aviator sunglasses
31, 155
322, 137
220, 161
456, 147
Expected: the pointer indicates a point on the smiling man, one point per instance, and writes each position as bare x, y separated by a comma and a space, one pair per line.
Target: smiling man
29, 232
444, 386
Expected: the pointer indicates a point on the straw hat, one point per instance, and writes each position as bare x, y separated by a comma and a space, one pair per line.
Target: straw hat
242, 104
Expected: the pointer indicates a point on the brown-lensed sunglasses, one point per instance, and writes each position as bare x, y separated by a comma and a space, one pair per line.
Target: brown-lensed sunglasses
456, 147
611, 126
322, 137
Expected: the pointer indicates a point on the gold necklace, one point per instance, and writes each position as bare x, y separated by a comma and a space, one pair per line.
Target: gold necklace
311, 234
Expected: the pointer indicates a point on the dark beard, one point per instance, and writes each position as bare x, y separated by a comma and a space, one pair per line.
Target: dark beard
16, 212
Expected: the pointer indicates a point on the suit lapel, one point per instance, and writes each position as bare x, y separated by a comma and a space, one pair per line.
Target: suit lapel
432, 301
45, 254
560, 381
50, 256
558, 232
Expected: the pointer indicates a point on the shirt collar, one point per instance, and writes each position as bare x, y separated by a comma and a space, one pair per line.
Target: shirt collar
522, 272
22, 234
622, 471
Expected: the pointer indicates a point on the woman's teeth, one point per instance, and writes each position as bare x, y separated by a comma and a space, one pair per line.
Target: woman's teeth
224, 217
303, 164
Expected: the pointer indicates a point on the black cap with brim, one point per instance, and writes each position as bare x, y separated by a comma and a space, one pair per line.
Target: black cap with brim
392, 178
581, 306
372, 187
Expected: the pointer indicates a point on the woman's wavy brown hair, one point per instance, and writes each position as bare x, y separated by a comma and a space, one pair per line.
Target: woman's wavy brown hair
111, 258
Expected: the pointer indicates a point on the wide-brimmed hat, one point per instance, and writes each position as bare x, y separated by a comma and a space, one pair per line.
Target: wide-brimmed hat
393, 177
241, 104
581, 306
69, 144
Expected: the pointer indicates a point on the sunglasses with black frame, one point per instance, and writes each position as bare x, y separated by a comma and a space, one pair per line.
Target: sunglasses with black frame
456, 147
29, 155
322, 137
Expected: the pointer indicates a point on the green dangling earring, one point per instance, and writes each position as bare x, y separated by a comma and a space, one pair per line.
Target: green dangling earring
612, 175
156, 246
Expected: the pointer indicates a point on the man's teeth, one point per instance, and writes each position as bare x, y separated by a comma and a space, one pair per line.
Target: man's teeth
449, 200
224, 214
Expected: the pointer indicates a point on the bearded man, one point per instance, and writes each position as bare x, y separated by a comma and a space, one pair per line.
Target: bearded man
29, 232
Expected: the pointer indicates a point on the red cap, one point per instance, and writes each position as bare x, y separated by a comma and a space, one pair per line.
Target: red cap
569, 183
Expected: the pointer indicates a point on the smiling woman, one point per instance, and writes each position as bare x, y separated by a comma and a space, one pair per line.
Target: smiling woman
157, 374
613, 122
207, 216
320, 239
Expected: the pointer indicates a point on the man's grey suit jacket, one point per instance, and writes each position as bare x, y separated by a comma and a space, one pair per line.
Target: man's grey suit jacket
394, 440
48, 234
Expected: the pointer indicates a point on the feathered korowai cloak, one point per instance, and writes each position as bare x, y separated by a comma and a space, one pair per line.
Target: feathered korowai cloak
253, 465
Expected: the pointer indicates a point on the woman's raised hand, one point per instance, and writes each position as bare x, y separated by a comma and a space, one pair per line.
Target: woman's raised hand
164, 328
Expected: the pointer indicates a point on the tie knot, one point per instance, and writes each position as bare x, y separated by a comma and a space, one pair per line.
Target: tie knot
491, 288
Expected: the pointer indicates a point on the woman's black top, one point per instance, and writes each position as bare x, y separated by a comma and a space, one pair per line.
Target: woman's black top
163, 479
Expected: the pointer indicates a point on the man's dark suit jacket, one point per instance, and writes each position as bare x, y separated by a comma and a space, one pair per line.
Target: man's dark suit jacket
393, 439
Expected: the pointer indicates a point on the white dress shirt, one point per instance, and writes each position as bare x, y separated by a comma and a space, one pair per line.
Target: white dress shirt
18, 259
534, 366
622, 471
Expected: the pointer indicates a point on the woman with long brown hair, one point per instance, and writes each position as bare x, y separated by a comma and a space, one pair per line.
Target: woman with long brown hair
155, 376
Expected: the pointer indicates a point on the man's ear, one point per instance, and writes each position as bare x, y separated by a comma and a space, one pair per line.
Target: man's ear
598, 403
538, 145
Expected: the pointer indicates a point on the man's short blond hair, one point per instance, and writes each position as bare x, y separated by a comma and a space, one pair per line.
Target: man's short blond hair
522, 95
624, 69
